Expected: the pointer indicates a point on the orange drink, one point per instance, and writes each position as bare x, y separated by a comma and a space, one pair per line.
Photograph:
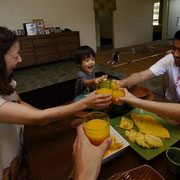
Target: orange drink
104, 91
104, 87
97, 127
117, 94
114, 85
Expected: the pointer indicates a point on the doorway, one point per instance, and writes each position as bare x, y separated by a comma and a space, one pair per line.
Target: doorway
104, 30
157, 19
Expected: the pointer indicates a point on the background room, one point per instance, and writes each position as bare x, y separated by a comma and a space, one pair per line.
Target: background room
118, 24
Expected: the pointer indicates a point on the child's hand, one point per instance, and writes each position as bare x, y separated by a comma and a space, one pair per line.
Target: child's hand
97, 80
104, 77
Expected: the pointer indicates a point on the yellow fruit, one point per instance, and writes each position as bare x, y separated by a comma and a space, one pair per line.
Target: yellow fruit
104, 91
117, 94
148, 124
126, 123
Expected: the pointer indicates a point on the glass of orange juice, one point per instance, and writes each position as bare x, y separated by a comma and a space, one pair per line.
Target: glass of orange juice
97, 127
104, 87
118, 93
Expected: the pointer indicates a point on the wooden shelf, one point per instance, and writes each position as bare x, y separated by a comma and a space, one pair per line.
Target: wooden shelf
41, 49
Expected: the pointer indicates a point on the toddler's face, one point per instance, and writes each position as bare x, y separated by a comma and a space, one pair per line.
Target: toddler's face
88, 64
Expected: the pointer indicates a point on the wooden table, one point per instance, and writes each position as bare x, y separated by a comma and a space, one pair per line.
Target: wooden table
49, 149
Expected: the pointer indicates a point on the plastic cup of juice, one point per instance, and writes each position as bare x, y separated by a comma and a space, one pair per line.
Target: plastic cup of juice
104, 87
96, 127
117, 94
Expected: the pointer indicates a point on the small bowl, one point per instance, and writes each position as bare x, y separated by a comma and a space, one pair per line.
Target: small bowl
173, 157
139, 91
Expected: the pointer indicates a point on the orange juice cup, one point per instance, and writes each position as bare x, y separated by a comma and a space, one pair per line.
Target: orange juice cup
114, 85
104, 91
117, 94
97, 127
104, 87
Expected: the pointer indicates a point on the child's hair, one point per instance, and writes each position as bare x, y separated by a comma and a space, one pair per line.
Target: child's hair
83, 52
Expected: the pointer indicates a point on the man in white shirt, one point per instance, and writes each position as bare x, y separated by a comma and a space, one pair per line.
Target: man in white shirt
169, 64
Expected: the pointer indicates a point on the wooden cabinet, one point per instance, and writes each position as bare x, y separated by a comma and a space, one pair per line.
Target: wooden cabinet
47, 48
66, 44
27, 52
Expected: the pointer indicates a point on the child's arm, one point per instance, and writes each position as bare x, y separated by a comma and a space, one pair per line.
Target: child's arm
95, 81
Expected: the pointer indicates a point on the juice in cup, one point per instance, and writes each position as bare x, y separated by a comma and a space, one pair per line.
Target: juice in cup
104, 87
117, 94
104, 91
114, 85
96, 127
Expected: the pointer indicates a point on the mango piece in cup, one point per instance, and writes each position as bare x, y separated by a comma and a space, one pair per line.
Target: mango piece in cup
117, 94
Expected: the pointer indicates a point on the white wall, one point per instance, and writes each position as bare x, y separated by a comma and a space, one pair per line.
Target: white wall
77, 15
174, 12
132, 22
132, 19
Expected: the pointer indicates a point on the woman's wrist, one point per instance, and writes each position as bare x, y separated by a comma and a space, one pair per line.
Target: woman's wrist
83, 103
132, 100
135, 101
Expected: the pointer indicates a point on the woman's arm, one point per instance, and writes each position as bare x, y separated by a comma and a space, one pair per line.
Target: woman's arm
171, 110
15, 113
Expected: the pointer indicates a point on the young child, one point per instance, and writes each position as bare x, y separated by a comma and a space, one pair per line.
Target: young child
84, 57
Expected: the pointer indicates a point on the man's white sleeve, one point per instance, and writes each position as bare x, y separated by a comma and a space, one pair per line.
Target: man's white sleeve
161, 66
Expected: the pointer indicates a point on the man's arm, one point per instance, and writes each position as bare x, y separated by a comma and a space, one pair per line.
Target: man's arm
136, 78
171, 110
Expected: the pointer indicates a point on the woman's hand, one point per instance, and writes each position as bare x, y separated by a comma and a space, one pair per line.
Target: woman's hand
128, 97
87, 157
98, 101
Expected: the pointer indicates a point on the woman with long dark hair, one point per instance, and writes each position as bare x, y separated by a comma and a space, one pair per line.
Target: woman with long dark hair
14, 113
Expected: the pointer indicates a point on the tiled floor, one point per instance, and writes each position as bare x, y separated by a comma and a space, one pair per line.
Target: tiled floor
44, 75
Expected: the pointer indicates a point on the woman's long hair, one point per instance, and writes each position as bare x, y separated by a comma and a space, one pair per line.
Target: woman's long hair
7, 39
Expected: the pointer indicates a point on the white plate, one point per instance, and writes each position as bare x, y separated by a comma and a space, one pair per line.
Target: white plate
120, 139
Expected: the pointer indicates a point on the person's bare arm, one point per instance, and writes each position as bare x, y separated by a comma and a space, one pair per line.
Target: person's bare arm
89, 82
136, 78
95, 81
15, 113
171, 110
